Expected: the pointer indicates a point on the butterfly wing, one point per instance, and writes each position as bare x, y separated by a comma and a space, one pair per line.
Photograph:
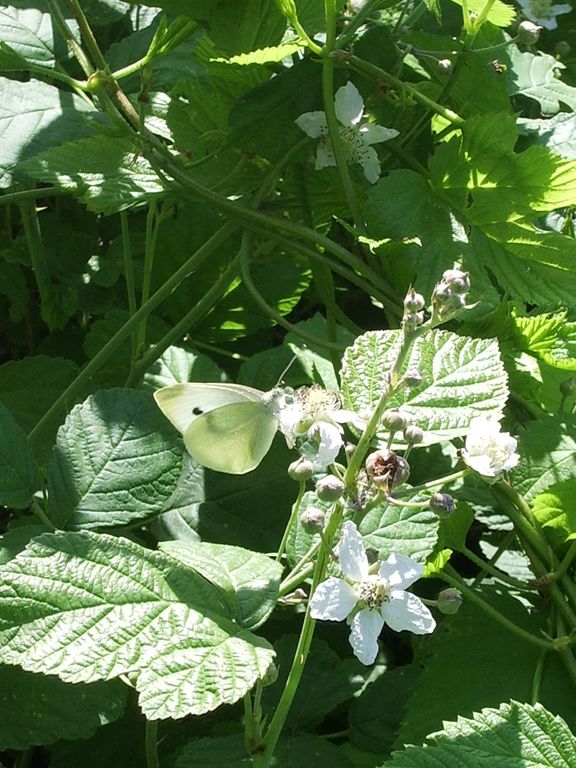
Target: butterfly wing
233, 438
182, 404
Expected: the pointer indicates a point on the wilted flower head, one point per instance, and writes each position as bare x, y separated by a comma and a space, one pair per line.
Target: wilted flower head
356, 136
489, 451
542, 12
371, 599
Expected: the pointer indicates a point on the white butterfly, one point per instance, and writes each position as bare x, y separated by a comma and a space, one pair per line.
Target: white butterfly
226, 427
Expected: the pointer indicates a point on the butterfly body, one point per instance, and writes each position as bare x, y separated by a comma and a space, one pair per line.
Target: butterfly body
226, 427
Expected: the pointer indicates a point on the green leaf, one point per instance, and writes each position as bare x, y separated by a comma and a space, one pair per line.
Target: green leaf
181, 364
315, 360
302, 751
500, 14
548, 455
558, 133
533, 283
30, 386
107, 174
376, 714
43, 709
513, 736
463, 649
88, 607
503, 185
551, 338
534, 75
272, 54
31, 34
249, 581
241, 26
327, 681
556, 508
393, 528
34, 118
461, 378
116, 460
19, 472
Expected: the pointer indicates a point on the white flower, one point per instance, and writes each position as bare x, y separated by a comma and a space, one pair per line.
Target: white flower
542, 12
314, 415
370, 600
356, 136
487, 450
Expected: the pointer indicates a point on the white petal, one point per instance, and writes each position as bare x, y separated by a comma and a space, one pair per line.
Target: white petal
400, 571
406, 611
313, 123
374, 134
351, 553
324, 154
332, 600
330, 442
364, 630
348, 105
369, 161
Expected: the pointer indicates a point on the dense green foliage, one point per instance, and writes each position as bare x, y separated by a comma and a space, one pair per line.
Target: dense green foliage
371, 198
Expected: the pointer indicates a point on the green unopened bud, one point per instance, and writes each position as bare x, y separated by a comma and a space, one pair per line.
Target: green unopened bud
449, 601
301, 470
412, 378
442, 504
457, 281
349, 450
568, 387
414, 302
412, 320
528, 33
445, 66
97, 81
563, 48
312, 520
270, 676
413, 434
330, 488
393, 420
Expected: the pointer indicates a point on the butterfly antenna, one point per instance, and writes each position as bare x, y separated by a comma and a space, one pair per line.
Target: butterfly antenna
285, 371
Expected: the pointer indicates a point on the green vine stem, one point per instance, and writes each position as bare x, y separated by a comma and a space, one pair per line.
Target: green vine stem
377, 72
152, 744
492, 570
40, 266
292, 520
263, 758
328, 63
67, 397
200, 310
451, 577
129, 277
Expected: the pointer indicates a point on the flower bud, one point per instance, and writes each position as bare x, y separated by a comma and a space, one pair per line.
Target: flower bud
412, 378
301, 470
568, 387
330, 488
457, 281
442, 504
445, 66
413, 434
412, 320
349, 449
312, 520
449, 601
393, 420
563, 48
528, 33
270, 676
414, 302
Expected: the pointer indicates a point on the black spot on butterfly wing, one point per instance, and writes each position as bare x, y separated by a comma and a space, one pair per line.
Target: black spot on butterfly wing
197, 411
